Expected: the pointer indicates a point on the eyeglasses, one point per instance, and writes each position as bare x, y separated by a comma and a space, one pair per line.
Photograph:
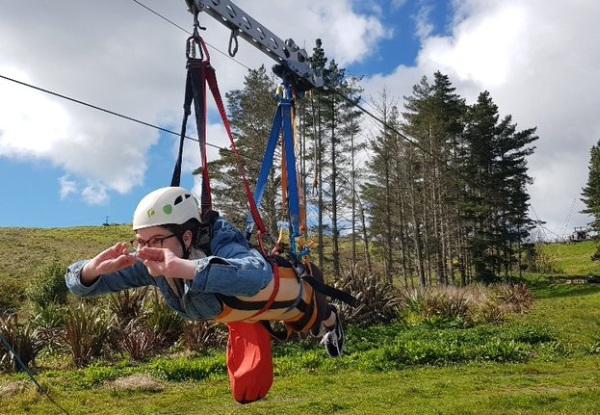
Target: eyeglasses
153, 242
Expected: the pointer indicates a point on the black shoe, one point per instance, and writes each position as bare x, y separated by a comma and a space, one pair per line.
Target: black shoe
334, 338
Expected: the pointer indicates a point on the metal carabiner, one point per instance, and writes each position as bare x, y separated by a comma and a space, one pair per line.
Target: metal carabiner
233, 41
195, 43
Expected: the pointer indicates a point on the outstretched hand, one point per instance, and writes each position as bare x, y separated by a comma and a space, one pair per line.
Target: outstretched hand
110, 260
163, 262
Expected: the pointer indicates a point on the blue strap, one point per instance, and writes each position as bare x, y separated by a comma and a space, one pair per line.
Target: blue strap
263, 176
282, 119
293, 196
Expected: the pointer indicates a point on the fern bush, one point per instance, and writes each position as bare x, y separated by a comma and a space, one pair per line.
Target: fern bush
86, 330
202, 335
139, 340
22, 340
378, 301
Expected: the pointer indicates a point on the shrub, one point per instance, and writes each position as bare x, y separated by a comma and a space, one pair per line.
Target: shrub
516, 296
86, 330
378, 301
48, 286
447, 303
164, 321
48, 325
437, 305
11, 296
21, 339
464, 306
139, 340
488, 312
201, 335
127, 305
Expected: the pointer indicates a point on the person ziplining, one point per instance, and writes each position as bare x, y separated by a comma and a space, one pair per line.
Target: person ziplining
205, 267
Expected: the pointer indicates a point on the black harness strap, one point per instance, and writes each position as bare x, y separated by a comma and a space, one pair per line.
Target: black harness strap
195, 91
187, 104
330, 291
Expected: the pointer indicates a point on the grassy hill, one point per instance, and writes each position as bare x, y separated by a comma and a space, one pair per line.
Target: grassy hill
572, 259
26, 251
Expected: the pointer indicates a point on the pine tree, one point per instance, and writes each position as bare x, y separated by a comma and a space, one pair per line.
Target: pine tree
385, 187
591, 193
496, 199
434, 119
335, 124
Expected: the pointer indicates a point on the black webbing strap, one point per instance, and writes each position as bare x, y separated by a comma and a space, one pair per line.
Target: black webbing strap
187, 105
195, 91
199, 74
329, 291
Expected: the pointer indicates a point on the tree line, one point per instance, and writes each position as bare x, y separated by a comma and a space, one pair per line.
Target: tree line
429, 192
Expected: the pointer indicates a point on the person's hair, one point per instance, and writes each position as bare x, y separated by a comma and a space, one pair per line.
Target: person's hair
191, 225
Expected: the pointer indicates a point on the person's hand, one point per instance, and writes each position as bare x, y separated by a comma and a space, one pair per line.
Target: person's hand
163, 262
110, 260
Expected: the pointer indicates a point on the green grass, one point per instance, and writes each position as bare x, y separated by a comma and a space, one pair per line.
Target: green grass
560, 377
26, 251
565, 387
386, 370
573, 258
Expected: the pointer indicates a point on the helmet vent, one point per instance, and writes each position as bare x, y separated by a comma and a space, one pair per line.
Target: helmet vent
179, 199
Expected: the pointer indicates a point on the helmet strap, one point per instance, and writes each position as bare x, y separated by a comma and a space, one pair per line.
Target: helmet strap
186, 250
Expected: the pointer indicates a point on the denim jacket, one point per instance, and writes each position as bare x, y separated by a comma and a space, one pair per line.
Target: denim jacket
233, 269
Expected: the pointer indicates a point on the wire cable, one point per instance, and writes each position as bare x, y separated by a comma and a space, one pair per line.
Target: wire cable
188, 32
116, 114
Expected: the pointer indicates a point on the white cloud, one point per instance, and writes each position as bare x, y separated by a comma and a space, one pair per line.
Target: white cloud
29, 121
67, 186
424, 26
481, 49
95, 194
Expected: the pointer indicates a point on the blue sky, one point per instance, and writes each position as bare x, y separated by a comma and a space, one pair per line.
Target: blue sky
63, 164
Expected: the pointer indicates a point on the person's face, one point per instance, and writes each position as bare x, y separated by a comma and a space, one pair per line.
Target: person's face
159, 237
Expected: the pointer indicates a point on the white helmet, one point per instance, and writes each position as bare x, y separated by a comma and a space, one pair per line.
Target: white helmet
168, 205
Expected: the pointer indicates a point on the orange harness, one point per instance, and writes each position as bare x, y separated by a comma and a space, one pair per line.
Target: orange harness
287, 298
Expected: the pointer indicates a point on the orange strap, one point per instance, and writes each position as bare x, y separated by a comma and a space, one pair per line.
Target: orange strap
271, 300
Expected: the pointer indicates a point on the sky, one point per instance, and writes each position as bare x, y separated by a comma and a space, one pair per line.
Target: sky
65, 164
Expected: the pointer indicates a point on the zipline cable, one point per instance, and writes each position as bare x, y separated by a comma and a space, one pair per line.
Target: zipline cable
126, 117
188, 32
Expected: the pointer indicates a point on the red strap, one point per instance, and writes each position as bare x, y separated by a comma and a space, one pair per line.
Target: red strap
212, 83
208, 74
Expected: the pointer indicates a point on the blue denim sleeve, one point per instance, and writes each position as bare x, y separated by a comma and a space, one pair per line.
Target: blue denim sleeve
234, 269
131, 277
